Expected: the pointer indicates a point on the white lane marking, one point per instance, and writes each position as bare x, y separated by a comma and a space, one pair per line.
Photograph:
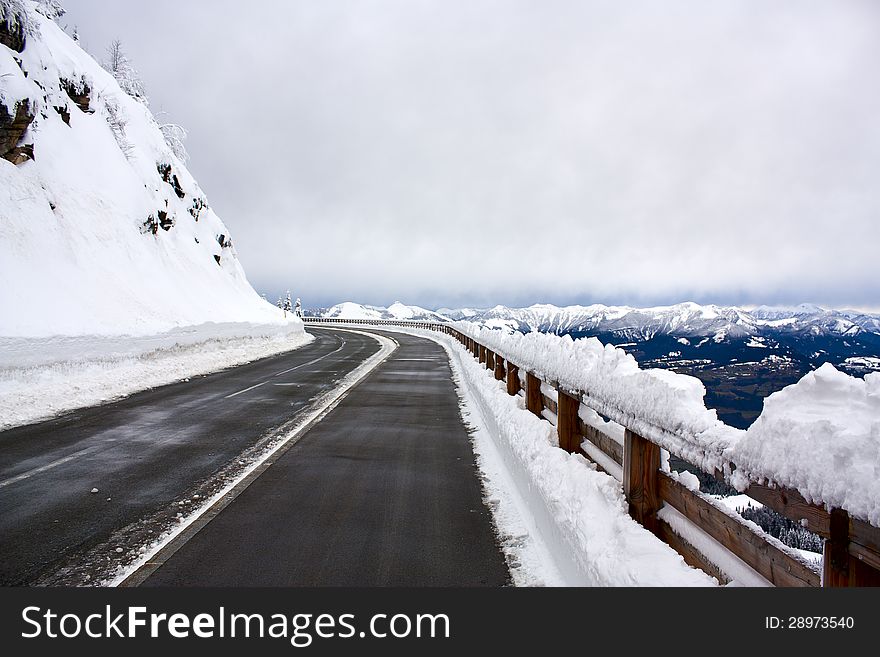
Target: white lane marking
288, 384
321, 408
311, 362
48, 466
234, 394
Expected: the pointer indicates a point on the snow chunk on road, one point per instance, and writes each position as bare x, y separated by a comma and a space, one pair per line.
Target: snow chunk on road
820, 436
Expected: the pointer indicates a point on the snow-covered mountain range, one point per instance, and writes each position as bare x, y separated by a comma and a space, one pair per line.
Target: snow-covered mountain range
685, 320
742, 355
689, 320
102, 228
397, 310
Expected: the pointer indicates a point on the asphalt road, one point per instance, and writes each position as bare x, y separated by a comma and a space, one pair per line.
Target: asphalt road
145, 453
382, 492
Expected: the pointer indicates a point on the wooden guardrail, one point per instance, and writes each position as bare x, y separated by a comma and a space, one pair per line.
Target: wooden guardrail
852, 547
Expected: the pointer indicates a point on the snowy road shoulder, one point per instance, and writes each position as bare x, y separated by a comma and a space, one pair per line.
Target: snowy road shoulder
562, 523
44, 377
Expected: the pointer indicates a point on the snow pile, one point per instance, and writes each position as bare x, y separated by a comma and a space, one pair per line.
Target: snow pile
663, 406
820, 436
102, 228
40, 377
577, 513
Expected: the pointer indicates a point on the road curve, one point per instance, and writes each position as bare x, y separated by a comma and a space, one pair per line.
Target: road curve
145, 454
382, 492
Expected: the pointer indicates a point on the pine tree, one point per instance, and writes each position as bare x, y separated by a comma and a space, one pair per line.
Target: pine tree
51, 9
288, 306
175, 135
120, 67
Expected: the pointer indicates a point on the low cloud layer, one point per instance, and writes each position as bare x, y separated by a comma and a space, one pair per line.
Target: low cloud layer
512, 152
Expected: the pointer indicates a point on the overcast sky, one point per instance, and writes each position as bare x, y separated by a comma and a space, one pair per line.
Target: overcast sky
472, 153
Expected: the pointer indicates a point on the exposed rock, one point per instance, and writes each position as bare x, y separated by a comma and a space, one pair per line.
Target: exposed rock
80, 93
150, 226
20, 154
170, 177
12, 127
198, 205
64, 113
165, 222
12, 34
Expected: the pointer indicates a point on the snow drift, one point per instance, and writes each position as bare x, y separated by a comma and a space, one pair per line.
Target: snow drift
102, 228
820, 436
663, 406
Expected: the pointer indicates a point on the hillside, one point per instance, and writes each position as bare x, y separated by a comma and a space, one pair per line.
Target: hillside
103, 230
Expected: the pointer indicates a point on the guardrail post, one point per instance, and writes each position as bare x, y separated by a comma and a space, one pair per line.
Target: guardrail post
481, 353
567, 422
499, 368
513, 384
534, 398
836, 561
641, 479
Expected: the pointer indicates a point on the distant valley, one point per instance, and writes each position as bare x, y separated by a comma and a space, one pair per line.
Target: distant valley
741, 355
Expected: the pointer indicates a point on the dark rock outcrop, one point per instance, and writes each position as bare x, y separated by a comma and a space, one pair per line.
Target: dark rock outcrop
150, 226
165, 222
64, 113
12, 34
198, 205
170, 177
80, 93
13, 125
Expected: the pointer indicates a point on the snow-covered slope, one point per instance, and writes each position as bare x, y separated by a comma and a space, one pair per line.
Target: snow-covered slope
397, 310
102, 229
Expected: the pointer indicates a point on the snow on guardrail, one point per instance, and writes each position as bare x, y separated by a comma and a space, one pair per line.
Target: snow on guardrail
820, 436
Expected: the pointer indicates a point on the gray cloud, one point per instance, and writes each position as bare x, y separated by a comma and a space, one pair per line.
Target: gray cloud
489, 151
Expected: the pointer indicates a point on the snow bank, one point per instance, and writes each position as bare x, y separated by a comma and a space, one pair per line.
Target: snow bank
580, 514
663, 406
820, 436
104, 231
41, 377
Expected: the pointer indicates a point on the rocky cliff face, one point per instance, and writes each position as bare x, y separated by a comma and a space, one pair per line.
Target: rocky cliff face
102, 227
